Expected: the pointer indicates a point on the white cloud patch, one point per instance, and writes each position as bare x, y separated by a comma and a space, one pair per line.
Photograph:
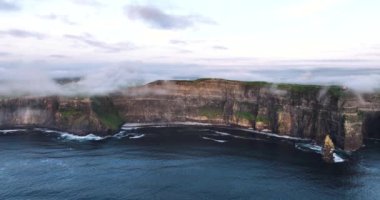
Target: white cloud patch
160, 19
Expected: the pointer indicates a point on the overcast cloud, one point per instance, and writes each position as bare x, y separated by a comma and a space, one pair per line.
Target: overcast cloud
90, 41
22, 34
6, 5
115, 44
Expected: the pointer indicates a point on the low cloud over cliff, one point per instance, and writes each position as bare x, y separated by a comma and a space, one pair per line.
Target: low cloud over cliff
41, 80
35, 82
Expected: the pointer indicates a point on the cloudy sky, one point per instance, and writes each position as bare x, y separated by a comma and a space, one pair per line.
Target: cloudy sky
220, 38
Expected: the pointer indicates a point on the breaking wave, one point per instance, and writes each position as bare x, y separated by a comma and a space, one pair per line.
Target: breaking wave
89, 137
70, 136
137, 136
274, 135
215, 140
219, 133
134, 126
12, 131
121, 134
125, 132
222, 133
308, 147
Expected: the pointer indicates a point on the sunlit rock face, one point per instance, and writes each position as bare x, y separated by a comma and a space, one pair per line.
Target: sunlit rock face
328, 150
305, 111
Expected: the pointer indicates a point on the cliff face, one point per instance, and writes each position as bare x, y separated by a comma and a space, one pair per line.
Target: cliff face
76, 115
293, 110
305, 111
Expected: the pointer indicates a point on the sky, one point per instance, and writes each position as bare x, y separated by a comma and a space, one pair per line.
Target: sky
166, 39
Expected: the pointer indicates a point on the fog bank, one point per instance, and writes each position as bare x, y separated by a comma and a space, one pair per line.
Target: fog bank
99, 80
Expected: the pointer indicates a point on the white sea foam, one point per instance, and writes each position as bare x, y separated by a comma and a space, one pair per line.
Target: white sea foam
126, 128
247, 138
215, 140
120, 135
318, 149
123, 134
192, 123
89, 137
274, 134
12, 131
309, 147
45, 130
222, 133
137, 136
237, 136
337, 158
70, 136
133, 126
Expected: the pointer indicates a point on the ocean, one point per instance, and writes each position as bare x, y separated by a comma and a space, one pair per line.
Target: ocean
182, 162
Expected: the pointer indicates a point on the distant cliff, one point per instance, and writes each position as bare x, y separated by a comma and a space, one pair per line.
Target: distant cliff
80, 115
307, 111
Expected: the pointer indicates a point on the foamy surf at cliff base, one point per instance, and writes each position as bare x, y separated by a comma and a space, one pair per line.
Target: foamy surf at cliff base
133, 126
211, 133
74, 137
6, 131
93, 137
70, 136
308, 147
89, 137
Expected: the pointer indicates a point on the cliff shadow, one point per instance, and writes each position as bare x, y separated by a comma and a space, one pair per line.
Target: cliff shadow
371, 125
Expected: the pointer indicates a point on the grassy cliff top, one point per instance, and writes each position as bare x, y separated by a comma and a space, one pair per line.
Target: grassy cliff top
293, 88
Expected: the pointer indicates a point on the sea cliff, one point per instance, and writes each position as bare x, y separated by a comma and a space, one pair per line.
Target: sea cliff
79, 115
305, 111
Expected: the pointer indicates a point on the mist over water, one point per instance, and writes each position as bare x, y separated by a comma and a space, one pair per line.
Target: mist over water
177, 163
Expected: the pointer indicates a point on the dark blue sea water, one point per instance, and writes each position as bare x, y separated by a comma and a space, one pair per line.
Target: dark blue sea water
178, 163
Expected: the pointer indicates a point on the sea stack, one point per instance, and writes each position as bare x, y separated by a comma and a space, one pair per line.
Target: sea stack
328, 150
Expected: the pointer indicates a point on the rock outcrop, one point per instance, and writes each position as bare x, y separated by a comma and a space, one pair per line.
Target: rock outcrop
328, 150
305, 111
